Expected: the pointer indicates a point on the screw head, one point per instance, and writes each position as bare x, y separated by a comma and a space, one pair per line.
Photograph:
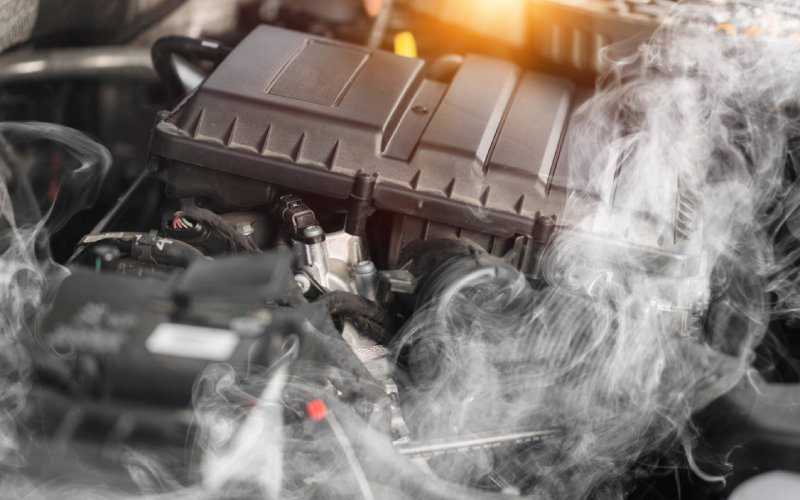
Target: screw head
303, 282
313, 232
245, 229
365, 267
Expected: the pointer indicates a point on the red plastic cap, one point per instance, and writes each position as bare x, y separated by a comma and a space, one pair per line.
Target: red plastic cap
316, 409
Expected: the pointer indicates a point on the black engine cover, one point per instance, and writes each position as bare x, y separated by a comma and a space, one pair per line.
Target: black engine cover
477, 153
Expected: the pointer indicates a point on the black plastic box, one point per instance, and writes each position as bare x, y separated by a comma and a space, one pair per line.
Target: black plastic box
477, 153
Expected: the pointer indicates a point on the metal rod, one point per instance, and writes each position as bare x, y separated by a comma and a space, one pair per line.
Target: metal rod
455, 444
116, 62
116, 210
95, 62
380, 24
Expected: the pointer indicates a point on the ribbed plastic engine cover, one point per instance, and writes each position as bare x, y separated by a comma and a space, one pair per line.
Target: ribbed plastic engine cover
479, 152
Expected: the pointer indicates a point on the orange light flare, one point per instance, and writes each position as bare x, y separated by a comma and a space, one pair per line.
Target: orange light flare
504, 20
373, 7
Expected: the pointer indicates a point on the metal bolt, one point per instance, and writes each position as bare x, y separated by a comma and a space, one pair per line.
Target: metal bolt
366, 279
365, 267
245, 229
303, 282
313, 232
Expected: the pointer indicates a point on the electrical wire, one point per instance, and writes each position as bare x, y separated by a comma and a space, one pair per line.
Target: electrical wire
164, 50
199, 214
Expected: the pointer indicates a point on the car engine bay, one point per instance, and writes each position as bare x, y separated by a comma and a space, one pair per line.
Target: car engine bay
400, 249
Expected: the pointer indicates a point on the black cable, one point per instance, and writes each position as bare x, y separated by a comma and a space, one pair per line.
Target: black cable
376, 322
373, 331
147, 247
192, 211
192, 49
151, 248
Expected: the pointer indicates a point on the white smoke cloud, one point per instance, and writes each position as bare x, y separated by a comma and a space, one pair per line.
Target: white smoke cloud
685, 147
654, 304
24, 262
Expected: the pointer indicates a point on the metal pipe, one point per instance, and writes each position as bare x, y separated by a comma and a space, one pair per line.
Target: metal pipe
95, 62
380, 24
113, 214
117, 62
454, 444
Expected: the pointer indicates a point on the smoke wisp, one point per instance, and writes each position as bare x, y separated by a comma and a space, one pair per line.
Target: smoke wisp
656, 298
25, 266
651, 306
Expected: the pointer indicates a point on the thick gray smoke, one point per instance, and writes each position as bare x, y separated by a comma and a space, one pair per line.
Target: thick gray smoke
24, 259
654, 301
690, 204
684, 246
